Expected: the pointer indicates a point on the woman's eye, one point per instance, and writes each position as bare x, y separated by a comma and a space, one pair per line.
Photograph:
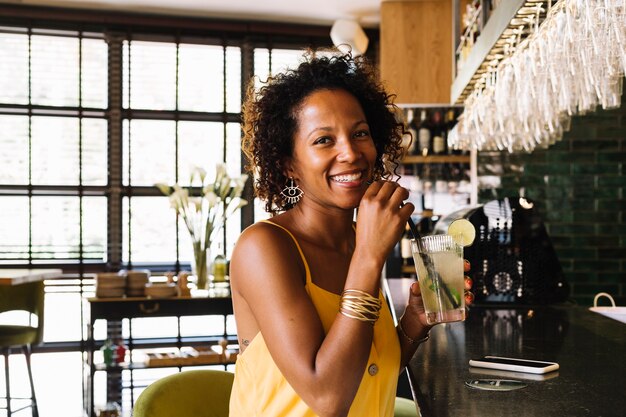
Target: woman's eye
322, 140
362, 134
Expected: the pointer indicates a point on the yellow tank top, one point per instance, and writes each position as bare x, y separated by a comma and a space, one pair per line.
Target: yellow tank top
260, 390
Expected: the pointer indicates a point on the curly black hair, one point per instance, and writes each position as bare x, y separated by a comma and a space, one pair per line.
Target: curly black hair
270, 119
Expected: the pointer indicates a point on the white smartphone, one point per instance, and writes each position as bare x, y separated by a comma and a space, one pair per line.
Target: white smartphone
514, 364
498, 373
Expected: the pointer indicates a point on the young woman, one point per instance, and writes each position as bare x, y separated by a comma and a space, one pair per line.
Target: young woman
315, 334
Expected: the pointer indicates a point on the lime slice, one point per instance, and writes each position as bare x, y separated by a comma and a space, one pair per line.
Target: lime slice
462, 231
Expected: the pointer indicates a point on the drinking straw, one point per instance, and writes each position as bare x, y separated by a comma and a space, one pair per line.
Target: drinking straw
430, 267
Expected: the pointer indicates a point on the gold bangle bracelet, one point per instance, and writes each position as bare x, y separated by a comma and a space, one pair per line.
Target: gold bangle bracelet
359, 305
410, 339
359, 316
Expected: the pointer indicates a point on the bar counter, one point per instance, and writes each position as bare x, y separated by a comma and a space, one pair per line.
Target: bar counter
590, 349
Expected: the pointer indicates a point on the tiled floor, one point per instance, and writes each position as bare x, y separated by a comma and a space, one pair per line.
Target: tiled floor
58, 383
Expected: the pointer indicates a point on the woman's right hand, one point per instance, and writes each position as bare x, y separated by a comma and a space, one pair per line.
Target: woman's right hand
381, 218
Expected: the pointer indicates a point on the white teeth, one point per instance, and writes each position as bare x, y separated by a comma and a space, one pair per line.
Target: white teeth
347, 178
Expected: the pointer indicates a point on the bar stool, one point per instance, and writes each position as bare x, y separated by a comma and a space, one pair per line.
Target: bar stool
30, 298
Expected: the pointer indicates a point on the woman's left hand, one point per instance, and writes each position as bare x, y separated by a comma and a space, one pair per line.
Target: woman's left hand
469, 295
415, 315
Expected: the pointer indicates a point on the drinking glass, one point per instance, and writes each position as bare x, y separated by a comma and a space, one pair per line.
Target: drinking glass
439, 266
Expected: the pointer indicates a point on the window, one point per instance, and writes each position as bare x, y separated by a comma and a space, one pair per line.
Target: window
91, 119
181, 103
54, 146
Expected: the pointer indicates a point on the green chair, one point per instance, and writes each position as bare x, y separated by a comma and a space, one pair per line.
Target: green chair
405, 408
30, 298
197, 393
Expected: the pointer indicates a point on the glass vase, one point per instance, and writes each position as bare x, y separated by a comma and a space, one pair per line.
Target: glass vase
200, 265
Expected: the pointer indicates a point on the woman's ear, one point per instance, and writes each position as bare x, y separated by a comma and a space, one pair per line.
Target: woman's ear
287, 168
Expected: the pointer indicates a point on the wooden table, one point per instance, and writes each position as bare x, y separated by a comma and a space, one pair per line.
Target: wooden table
117, 309
24, 276
590, 349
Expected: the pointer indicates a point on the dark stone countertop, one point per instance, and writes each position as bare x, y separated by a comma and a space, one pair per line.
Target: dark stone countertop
590, 349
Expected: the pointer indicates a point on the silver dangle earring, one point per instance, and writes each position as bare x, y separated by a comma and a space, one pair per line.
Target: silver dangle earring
292, 192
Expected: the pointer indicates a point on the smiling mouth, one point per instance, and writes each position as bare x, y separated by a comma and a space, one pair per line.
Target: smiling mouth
347, 177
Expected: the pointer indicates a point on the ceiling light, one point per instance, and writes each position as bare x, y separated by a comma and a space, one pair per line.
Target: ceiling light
348, 36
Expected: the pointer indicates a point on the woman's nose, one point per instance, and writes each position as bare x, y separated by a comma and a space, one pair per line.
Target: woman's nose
348, 151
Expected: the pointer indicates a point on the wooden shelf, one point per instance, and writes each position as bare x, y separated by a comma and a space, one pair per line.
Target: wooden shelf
436, 159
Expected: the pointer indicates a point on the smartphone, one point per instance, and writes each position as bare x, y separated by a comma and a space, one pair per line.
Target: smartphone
497, 373
514, 364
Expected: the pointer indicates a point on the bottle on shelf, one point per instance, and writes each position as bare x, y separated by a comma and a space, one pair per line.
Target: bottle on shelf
120, 352
219, 266
405, 247
108, 352
411, 127
450, 122
424, 134
438, 134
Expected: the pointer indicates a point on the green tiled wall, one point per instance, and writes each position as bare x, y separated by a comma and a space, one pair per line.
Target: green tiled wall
579, 185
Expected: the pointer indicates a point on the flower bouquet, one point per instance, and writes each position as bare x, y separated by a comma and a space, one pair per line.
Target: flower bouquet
204, 207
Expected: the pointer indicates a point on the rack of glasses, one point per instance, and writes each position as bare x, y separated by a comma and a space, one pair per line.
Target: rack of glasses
539, 63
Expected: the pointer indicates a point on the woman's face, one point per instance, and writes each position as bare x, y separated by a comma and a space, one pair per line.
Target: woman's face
333, 153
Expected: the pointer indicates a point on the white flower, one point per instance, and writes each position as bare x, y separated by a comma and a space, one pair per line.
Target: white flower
205, 211
211, 198
197, 202
197, 171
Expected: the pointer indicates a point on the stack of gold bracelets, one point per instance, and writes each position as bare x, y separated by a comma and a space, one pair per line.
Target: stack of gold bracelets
360, 305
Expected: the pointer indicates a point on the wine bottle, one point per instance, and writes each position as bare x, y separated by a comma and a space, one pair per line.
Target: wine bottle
423, 134
438, 134
405, 247
450, 122
411, 127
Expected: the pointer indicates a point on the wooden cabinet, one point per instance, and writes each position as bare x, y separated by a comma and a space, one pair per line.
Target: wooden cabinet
416, 50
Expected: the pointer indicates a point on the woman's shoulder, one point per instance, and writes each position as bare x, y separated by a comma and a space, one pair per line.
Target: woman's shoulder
265, 235
264, 229
265, 247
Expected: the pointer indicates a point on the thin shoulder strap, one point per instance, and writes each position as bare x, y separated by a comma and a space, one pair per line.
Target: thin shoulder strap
306, 264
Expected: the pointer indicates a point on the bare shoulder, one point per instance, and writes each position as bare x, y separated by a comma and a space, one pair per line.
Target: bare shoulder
264, 250
262, 238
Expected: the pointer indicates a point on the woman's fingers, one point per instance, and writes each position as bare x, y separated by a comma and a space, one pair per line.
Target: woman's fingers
407, 209
468, 283
415, 288
388, 190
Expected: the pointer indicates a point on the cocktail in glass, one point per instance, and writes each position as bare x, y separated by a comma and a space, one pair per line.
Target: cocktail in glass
439, 266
